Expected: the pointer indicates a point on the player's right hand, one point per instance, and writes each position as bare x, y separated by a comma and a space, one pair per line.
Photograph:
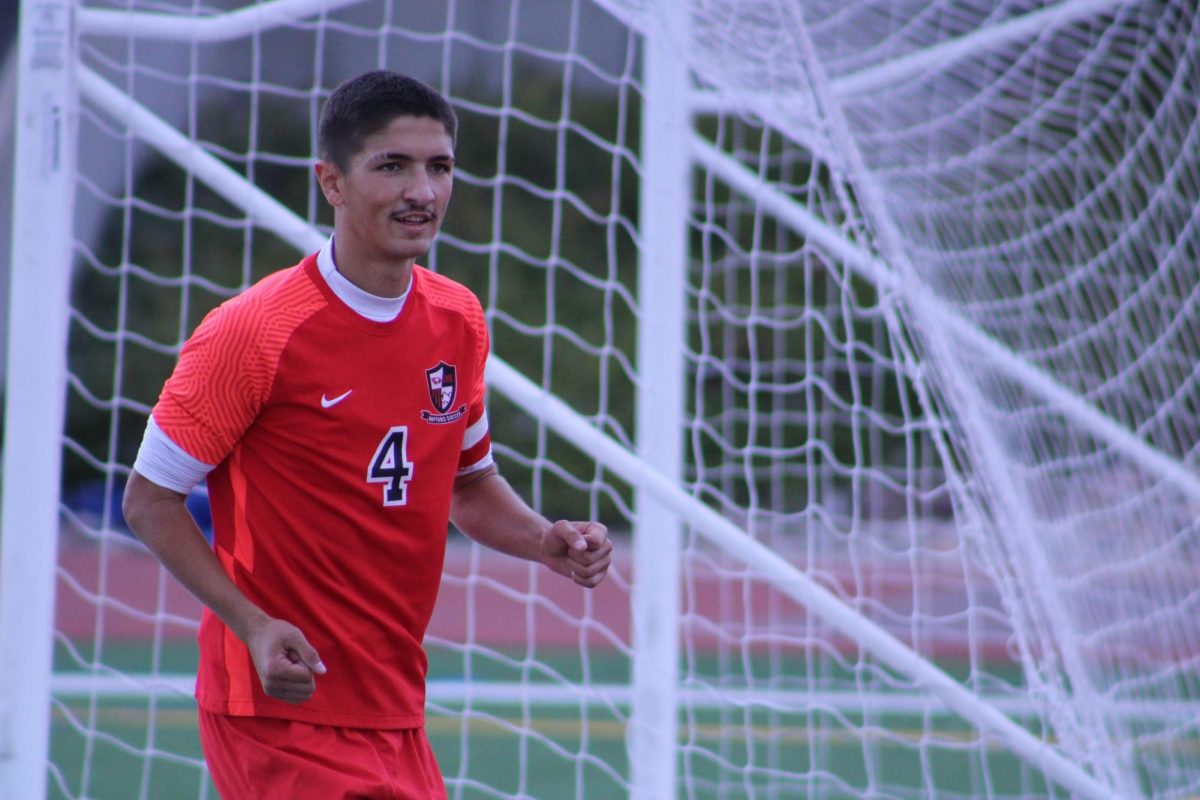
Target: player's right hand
287, 664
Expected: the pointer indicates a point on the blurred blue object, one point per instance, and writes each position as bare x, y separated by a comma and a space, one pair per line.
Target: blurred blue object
93, 508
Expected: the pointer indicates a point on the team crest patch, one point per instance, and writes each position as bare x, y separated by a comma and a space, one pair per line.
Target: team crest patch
442, 381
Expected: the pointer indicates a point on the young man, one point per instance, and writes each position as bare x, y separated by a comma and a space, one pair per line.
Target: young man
336, 409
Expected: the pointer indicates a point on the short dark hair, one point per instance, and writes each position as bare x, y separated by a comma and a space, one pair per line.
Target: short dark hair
366, 104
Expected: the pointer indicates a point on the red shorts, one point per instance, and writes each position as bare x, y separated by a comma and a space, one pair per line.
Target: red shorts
259, 758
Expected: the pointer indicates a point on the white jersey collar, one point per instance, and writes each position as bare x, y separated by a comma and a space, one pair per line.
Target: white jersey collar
374, 308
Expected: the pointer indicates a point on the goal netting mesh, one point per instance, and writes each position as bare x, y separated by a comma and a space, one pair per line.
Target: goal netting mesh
939, 356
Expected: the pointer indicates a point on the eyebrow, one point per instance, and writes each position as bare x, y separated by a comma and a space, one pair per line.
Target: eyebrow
392, 156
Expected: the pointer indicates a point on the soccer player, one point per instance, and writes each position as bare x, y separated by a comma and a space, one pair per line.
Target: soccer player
336, 409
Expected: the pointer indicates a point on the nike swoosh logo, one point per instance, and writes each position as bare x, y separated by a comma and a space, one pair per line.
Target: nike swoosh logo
330, 402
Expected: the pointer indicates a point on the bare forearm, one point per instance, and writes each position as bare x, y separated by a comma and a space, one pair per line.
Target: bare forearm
488, 510
161, 520
286, 662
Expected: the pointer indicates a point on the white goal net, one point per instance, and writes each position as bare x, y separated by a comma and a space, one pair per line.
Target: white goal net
871, 330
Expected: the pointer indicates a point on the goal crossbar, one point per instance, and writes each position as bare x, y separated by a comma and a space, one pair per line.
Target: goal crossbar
982, 40
268, 213
576, 429
216, 28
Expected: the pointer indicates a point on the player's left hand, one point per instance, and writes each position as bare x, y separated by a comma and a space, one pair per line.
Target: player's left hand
580, 551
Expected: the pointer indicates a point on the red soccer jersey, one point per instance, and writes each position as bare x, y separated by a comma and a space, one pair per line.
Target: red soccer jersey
337, 441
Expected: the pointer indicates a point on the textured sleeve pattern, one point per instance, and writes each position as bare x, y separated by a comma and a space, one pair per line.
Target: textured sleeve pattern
227, 368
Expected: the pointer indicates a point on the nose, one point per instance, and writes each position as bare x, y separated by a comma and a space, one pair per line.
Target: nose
418, 190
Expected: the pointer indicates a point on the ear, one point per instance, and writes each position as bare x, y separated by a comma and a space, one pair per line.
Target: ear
329, 178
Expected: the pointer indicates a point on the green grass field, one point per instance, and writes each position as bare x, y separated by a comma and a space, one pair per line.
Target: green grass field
557, 754
533, 751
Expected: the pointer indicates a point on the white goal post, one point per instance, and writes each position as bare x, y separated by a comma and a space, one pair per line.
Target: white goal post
865, 405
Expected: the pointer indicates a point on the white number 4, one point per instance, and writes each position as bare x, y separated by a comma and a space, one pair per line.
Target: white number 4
390, 466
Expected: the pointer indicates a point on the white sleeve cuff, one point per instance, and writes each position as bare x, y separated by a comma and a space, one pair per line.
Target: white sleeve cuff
165, 463
476, 432
486, 461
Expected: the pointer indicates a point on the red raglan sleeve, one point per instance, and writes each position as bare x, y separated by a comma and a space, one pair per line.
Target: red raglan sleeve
477, 440
218, 386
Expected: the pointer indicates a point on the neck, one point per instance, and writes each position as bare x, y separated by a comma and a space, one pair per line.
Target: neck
380, 277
